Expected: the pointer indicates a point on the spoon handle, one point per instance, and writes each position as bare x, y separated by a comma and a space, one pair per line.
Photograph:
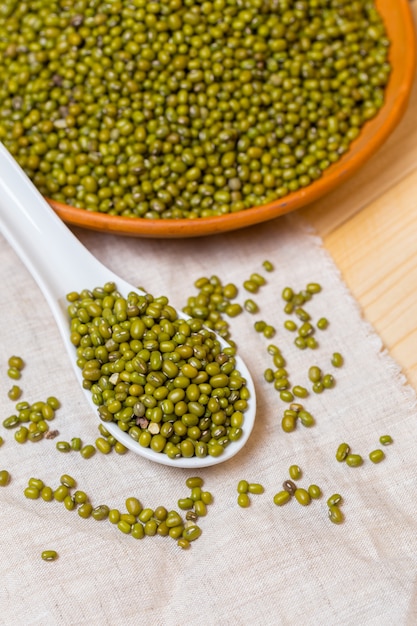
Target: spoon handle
52, 254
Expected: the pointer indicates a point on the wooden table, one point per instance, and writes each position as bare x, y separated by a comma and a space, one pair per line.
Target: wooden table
369, 226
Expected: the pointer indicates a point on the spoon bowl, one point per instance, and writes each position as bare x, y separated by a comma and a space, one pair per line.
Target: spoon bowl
60, 264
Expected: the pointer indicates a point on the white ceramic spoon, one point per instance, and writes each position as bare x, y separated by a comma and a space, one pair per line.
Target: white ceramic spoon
60, 264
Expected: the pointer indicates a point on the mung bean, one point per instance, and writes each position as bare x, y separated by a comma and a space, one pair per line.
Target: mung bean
289, 486
354, 460
314, 491
282, 497
376, 456
335, 499
342, 452
385, 440
337, 359
295, 472
4, 478
335, 514
302, 496
243, 500
49, 555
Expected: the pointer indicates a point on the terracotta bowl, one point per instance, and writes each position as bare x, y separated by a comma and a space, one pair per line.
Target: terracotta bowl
398, 21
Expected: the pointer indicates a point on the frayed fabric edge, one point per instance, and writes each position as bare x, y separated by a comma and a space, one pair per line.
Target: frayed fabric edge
372, 336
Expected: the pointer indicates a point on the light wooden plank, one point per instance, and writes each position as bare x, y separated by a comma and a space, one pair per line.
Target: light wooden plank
376, 251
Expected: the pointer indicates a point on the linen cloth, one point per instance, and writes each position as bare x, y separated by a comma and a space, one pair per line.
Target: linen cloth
261, 565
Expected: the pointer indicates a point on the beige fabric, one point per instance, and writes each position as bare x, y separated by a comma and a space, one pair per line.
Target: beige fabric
261, 565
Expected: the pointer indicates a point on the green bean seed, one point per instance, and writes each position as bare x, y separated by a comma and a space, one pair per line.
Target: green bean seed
192, 532
354, 460
286, 395
314, 373
15, 392
313, 288
302, 496
88, 451
61, 493
32, 493
328, 381
306, 418
63, 446
68, 481
376, 456
302, 314
243, 486
243, 500
206, 497
133, 506
36, 482
47, 494
4, 478
255, 488
150, 528
14, 373
53, 402
251, 285
137, 531
114, 516
76, 444
49, 555
11, 421
281, 498
183, 543
289, 486
300, 343
194, 481
160, 513
200, 508
314, 491
322, 323
259, 326
269, 331
16, 362
318, 387
175, 531
337, 359
342, 452
334, 499
385, 440
268, 266
250, 306
299, 391
103, 445
288, 423
100, 512
290, 325
85, 510
185, 503
80, 497
335, 514
21, 435
287, 294
69, 503
295, 472
124, 527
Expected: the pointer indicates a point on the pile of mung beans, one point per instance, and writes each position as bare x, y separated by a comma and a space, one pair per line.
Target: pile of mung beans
168, 382
184, 108
136, 520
